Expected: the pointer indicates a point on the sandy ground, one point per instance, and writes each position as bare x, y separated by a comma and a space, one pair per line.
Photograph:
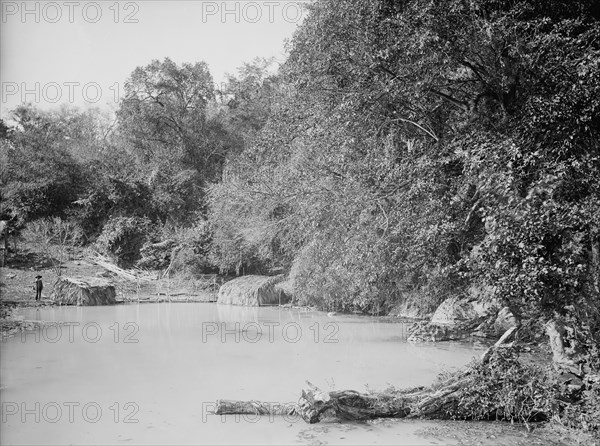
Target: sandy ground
17, 279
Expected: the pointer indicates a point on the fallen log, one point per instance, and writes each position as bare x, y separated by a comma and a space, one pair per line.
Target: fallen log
231, 407
315, 405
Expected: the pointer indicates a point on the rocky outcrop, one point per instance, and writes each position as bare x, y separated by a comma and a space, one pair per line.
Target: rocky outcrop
69, 291
408, 310
457, 319
454, 311
505, 319
426, 331
254, 291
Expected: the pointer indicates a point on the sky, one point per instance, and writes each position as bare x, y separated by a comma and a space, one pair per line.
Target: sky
82, 52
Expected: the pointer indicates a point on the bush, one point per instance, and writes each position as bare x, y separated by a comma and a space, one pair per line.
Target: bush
156, 255
55, 238
507, 389
192, 255
123, 237
350, 276
585, 413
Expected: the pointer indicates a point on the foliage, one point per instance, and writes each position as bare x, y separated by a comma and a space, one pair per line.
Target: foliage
506, 389
181, 251
110, 193
584, 413
165, 121
423, 147
55, 238
41, 178
123, 237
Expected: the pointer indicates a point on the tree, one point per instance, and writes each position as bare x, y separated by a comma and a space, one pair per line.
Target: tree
446, 144
55, 238
165, 121
41, 177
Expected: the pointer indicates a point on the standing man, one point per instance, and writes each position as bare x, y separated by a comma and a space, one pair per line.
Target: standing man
39, 286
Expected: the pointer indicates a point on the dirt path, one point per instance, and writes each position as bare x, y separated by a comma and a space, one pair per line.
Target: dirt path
18, 276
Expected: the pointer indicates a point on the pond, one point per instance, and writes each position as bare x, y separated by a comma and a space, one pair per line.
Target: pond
150, 374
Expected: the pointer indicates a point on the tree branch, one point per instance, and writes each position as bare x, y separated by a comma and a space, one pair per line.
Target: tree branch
408, 121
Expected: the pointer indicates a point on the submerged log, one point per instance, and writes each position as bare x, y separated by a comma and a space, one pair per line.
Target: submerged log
231, 407
315, 405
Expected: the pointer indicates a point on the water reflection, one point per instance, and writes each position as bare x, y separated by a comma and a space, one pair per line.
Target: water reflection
173, 360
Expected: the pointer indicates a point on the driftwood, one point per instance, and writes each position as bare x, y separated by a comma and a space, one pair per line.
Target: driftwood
315, 405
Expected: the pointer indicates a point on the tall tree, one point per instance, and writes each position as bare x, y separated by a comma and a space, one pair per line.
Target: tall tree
164, 118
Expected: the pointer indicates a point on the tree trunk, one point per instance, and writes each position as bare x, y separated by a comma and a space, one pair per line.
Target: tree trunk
348, 405
563, 356
596, 264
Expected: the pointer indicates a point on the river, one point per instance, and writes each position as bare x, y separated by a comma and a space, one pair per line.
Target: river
150, 374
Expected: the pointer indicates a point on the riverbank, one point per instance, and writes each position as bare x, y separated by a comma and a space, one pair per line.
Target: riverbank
16, 293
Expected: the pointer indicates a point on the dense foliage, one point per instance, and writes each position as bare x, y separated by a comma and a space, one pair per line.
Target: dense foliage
424, 147
405, 151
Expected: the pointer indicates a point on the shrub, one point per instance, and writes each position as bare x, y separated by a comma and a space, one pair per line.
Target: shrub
505, 388
55, 238
156, 255
123, 237
192, 255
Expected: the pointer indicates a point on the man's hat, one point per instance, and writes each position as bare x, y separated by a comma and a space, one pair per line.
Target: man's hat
38, 277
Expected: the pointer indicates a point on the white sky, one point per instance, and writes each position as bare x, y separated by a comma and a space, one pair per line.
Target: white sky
81, 52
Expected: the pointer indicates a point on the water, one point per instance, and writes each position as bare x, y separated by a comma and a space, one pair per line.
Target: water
150, 373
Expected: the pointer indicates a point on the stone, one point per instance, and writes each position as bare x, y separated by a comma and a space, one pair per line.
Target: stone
504, 320
454, 311
407, 310
254, 291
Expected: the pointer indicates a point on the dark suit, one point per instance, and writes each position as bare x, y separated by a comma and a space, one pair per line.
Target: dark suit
38, 289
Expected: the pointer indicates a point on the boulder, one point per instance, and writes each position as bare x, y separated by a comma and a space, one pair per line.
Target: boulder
427, 332
457, 319
408, 310
454, 311
504, 320
253, 291
69, 291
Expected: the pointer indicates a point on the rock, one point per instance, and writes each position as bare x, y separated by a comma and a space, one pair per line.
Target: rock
408, 310
504, 320
69, 291
453, 311
427, 332
253, 291
104, 274
455, 319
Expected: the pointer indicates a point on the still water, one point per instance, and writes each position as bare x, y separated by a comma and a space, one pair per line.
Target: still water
150, 374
